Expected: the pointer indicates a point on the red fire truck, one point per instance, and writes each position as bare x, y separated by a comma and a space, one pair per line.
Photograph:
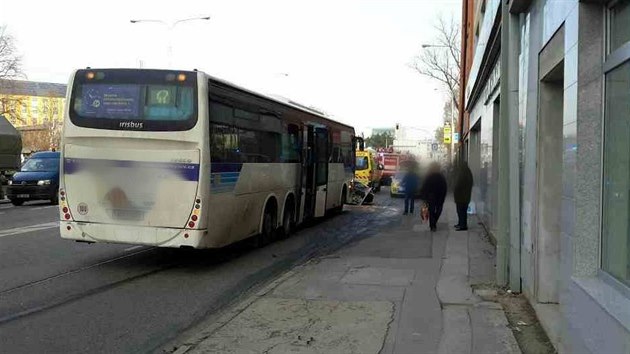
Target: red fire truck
391, 162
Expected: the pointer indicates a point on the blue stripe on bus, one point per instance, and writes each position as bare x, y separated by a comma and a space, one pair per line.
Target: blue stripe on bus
187, 171
224, 181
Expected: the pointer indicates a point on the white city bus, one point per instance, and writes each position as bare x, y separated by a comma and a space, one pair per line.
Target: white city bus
182, 159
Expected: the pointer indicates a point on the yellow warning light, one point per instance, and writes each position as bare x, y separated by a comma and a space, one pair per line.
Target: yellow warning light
181, 77
90, 75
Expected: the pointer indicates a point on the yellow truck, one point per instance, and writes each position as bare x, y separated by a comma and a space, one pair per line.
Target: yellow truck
367, 170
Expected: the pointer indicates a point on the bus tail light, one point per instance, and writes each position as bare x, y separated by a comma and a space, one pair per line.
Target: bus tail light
194, 214
64, 209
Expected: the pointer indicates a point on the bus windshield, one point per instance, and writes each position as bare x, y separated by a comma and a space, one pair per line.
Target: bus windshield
134, 100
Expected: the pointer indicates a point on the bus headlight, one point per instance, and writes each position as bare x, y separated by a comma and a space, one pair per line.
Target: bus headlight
44, 182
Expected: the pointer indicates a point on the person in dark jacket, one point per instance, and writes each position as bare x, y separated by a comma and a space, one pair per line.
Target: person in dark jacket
433, 192
461, 194
410, 182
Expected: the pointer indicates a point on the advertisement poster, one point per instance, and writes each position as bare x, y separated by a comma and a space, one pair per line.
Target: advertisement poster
111, 101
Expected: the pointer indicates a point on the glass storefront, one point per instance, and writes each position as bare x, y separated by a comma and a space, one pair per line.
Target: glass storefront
616, 178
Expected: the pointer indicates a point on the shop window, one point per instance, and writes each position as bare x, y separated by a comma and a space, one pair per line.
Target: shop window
616, 182
619, 24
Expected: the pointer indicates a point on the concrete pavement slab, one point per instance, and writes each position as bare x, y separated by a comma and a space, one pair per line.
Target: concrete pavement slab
491, 334
453, 286
420, 323
416, 244
457, 336
414, 285
379, 276
303, 326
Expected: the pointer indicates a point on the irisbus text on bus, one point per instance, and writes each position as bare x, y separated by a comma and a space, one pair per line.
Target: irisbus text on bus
182, 159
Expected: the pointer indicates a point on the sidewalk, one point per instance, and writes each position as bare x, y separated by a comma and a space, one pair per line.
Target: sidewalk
402, 291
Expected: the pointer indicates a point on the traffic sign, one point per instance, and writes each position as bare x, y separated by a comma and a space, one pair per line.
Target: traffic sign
447, 134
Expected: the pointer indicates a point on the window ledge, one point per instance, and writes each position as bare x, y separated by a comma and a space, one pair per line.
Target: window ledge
611, 298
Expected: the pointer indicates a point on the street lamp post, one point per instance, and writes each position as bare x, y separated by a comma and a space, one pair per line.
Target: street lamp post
170, 27
448, 65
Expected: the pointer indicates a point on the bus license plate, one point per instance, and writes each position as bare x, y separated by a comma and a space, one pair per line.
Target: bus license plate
22, 196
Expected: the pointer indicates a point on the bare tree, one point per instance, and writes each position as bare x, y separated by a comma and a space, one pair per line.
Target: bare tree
10, 69
440, 59
51, 118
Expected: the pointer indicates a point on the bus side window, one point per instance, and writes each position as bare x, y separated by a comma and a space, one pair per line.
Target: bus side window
291, 144
223, 143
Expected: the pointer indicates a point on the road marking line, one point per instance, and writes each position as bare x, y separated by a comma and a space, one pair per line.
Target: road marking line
30, 228
9, 206
132, 248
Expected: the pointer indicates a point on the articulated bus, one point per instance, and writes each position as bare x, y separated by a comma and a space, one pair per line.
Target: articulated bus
182, 159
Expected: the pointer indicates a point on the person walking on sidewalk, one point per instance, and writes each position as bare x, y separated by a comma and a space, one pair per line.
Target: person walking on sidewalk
433, 192
410, 183
461, 194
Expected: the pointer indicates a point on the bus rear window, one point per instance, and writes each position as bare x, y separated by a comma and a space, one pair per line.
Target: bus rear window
151, 100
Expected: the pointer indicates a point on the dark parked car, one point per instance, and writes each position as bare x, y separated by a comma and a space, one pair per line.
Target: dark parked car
38, 179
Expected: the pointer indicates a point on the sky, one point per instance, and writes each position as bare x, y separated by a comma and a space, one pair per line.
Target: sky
349, 58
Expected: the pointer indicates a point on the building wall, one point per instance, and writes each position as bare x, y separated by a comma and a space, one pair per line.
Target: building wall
484, 115
594, 307
34, 110
601, 302
468, 47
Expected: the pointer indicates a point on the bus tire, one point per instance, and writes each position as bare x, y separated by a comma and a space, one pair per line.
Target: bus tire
17, 202
269, 224
344, 199
288, 219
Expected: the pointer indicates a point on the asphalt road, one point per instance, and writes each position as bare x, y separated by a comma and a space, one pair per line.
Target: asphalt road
58, 296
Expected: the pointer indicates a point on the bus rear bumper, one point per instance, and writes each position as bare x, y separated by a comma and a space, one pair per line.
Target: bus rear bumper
133, 235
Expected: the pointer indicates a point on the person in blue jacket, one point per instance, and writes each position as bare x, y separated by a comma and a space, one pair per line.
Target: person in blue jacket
410, 182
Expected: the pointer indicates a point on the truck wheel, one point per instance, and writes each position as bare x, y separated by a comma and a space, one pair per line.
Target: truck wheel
17, 202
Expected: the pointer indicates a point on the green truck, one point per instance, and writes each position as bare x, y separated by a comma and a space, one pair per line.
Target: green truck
10, 152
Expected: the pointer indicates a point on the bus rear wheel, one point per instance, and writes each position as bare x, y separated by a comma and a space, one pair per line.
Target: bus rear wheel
268, 228
288, 221
344, 200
